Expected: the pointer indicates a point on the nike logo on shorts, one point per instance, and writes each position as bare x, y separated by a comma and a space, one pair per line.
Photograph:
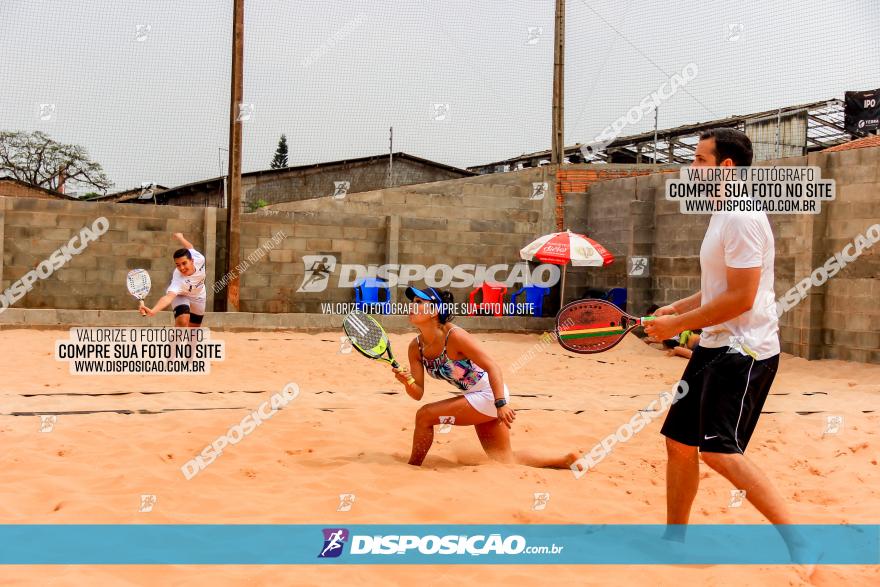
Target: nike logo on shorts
709, 437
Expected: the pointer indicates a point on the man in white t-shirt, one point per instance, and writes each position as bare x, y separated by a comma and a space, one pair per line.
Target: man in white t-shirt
186, 294
732, 368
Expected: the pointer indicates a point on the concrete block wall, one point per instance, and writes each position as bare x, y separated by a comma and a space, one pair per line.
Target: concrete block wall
302, 184
837, 321
138, 237
675, 266
848, 324
626, 217
578, 178
270, 284
478, 220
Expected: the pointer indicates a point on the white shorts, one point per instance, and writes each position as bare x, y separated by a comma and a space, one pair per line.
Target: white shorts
482, 399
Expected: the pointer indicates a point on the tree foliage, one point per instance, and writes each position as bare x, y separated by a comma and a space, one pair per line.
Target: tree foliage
38, 160
279, 161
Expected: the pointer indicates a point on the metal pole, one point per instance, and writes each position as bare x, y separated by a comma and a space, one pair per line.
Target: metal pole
656, 115
224, 201
391, 156
562, 287
557, 149
778, 121
233, 221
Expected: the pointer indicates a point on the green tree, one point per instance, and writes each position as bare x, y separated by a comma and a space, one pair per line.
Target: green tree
280, 159
36, 159
254, 206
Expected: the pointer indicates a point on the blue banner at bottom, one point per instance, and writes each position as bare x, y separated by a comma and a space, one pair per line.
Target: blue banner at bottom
543, 544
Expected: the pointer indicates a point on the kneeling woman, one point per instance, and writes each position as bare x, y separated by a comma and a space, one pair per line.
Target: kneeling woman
482, 399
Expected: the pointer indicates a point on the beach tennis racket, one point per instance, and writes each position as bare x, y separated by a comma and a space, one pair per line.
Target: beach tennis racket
369, 338
138, 282
593, 326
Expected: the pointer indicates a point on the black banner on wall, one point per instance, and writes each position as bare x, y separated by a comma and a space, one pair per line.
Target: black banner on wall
861, 112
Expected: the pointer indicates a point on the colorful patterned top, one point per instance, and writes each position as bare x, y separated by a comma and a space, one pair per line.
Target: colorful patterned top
462, 373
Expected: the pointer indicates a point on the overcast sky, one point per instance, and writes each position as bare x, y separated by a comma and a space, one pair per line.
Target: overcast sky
144, 84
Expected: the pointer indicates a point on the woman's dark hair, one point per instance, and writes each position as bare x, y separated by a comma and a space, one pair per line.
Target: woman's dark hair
183, 253
730, 144
447, 299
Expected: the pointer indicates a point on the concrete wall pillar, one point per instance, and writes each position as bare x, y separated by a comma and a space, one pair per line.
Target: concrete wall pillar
807, 317
641, 244
210, 251
392, 245
2, 235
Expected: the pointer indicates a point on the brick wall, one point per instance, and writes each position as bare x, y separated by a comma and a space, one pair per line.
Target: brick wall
10, 188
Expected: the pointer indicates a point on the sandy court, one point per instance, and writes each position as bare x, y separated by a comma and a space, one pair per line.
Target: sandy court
349, 431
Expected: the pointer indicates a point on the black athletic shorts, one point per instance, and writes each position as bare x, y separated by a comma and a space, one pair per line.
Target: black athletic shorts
726, 391
184, 309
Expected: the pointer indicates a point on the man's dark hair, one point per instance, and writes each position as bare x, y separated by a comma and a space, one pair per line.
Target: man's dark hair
183, 253
730, 144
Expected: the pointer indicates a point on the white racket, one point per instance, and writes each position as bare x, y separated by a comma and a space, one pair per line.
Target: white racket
138, 281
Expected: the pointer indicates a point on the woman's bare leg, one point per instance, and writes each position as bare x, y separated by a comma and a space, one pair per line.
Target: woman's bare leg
493, 435
429, 415
560, 462
495, 438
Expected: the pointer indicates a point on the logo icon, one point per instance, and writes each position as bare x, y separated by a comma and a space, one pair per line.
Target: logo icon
141, 32
638, 267
318, 270
539, 190
147, 503
245, 112
446, 423
344, 345
334, 541
535, 33
833, 424
47, 423
591, 150
736, 498
346, 500
340, 189
737, 344
541, 499
47, 111
734, 31
147, 190
441, 111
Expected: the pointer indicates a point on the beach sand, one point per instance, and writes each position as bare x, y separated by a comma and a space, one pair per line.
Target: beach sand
349, 431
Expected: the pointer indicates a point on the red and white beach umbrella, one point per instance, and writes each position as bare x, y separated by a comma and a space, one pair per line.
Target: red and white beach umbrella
562, 248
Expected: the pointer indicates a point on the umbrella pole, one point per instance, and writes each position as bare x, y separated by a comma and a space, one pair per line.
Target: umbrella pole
562, 289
